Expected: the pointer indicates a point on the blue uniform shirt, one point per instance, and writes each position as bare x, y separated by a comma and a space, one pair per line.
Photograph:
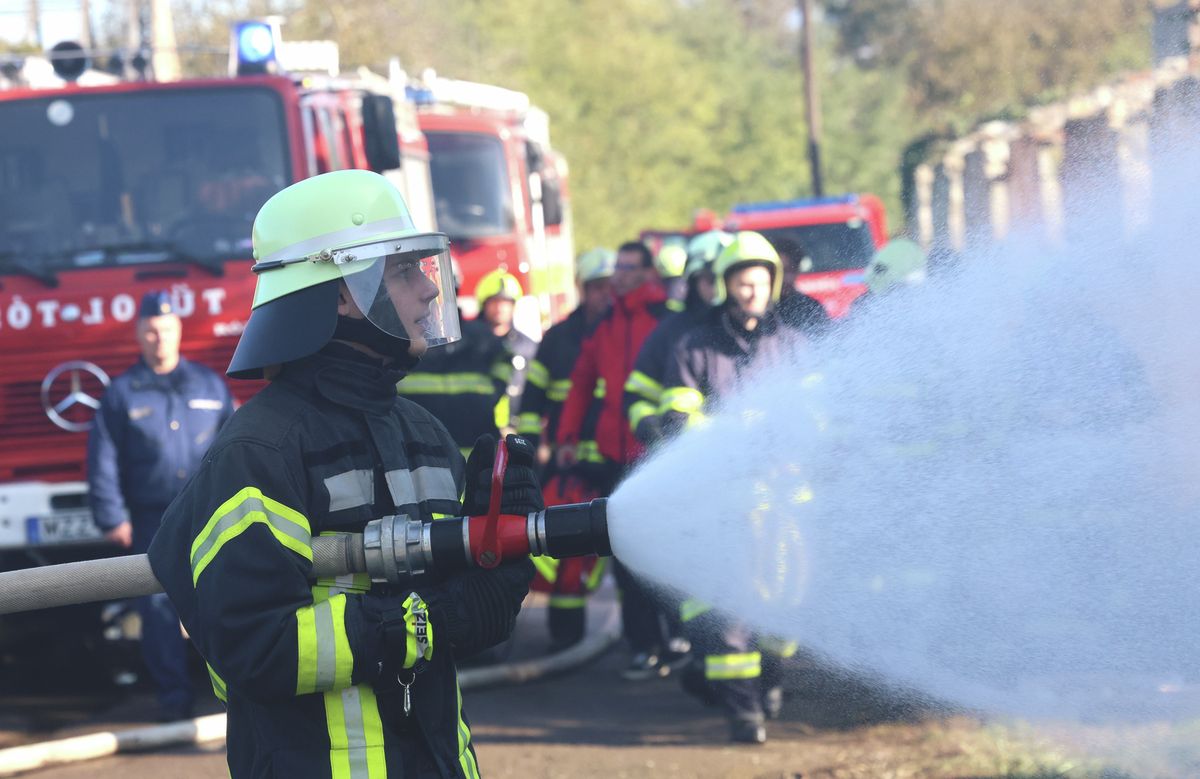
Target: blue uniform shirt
149, 437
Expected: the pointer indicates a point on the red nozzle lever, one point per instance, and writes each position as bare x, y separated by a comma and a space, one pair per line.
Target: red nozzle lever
489, 548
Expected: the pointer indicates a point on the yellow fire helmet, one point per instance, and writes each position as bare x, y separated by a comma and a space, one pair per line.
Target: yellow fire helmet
351, 228
594, 264
498, 283
747, 248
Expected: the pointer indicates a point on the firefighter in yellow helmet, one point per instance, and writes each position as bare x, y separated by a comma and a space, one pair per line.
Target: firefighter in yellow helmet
465, 384
345, 677
707, 364
670, 262
549, 379
497, 294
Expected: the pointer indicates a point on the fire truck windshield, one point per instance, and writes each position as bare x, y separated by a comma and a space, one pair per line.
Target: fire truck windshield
103, 178
470, 185
829, 247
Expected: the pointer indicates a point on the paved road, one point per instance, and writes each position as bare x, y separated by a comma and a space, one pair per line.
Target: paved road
589, 724
585, 723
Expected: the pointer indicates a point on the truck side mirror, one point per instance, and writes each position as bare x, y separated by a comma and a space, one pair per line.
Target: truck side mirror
380, 139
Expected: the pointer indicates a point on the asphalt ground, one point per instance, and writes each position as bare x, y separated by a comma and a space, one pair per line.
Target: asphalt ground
591, 723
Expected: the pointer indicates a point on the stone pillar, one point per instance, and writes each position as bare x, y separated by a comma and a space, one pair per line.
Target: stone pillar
921, 226
1091, 198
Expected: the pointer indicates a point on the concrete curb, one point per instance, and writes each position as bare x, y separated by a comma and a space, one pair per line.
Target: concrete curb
211, 728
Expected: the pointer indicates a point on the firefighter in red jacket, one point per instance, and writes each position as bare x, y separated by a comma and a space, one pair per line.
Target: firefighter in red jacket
605, 362
568, 581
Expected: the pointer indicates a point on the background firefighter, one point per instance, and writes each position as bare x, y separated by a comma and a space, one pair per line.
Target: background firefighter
729, 666
643, 389
464, 383
497, 294
605, 362
347, 677
569, 581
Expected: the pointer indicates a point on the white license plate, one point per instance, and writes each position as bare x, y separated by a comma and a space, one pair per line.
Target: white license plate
61, 528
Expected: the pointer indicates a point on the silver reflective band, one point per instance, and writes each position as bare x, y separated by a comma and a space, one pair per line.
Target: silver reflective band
326, 645
351, 235
421, 484
351, 489
425, 244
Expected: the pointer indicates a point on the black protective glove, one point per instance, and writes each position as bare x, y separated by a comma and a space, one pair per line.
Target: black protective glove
522, 491
478, 609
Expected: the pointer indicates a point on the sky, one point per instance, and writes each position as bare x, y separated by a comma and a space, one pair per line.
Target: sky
60, 20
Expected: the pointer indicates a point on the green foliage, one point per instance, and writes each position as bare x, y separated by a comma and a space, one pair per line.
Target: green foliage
665, 106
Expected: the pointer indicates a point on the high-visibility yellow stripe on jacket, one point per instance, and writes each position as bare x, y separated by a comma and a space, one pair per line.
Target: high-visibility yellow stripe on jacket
644, 386
538, 374
558, 390
742, 665
639, 410
355, 734
588, 452
325, 661
233, 517
684, 400
529, 423
466, 758
446, 384
692, 608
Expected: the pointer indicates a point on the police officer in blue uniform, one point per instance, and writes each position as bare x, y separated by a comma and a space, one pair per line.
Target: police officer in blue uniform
152, 429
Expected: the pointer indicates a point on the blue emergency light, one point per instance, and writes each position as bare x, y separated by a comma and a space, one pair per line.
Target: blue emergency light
255, 47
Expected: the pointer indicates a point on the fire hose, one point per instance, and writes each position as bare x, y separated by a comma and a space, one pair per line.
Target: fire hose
392, 549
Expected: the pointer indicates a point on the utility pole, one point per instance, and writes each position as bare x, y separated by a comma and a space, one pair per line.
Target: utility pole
812, 96
86, 38
33, 24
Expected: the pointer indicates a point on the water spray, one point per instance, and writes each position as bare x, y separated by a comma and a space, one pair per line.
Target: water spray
392, 549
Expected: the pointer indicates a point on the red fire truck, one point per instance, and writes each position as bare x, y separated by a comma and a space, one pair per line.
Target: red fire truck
500, 193
832, 239
107, 192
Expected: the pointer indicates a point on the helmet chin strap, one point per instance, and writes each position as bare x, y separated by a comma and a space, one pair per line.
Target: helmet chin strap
361, 331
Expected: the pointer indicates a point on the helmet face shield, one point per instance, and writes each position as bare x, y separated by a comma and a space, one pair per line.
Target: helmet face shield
404, 287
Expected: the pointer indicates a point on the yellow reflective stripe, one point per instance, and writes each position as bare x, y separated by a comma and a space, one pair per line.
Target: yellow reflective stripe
675, 305
418, 631
641, 384
744, 665
355, 734
466, 759
593, 580
502, 412
588, 452
446, 384
465, 451
546, 566
529, 423
218, 684
559, 390
324, 660
639, 411
682, 399
692, 608
247, 507
601, 388
567, 601
778, 646
502, 372
538, 374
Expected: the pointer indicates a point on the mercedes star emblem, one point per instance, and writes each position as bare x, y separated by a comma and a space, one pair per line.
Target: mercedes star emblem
71, 393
